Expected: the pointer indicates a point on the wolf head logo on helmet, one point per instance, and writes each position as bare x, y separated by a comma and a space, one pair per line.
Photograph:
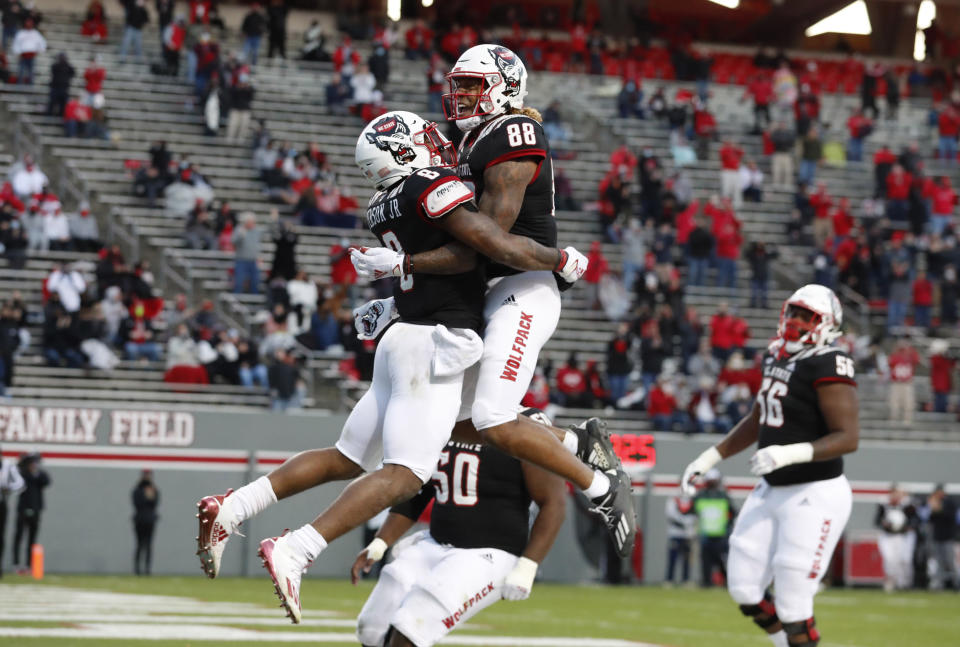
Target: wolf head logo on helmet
384, 133
508, 64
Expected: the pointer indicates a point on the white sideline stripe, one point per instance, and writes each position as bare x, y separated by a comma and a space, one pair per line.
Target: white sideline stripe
201, 633
276, 620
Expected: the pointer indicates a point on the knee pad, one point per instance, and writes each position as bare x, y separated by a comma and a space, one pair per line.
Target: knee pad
372, 631
763, 614
803, 632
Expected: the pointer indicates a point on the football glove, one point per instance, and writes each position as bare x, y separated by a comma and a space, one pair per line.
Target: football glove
519, 581
700, 466
774, 457
571, 266
372, 317
374, 263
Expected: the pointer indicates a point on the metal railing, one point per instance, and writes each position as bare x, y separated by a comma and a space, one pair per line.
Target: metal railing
129, 241
169, 276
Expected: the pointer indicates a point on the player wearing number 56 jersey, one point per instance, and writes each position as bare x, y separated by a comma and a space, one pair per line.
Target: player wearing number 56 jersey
476, 552
804, 420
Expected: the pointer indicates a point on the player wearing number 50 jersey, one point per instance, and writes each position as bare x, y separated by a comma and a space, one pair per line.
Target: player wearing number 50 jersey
805, 418
505, 157
476, 552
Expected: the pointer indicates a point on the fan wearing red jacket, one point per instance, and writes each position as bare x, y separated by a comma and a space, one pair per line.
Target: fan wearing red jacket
942, 367
903, 364
898, 193
730, 157
662, 407
944, 200
726, 233
922, 300
721, 332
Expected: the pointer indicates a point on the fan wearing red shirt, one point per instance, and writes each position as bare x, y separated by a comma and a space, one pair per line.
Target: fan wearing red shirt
948, 124
903, 364
942, 367
922, 300
75, 117
572, 384
859, 126
730, 157
662, 407
726, 234
883, 161
597, 268
342, 271
419, 41
842, 220
721, 333
898, 193
761, 89
944, 200
94, 76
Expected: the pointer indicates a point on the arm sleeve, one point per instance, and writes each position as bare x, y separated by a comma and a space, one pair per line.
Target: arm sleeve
513, 138
832, 367
413, 508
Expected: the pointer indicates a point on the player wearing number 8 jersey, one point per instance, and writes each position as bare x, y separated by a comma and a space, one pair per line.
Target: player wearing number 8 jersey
804, 420
480, 547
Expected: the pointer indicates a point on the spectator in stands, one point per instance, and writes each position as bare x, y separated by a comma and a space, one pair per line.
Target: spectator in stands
948, 125
730, 157
246, 240
182, 349
114, 312
784, 89
662, 407
571, 385
27, 179
84, 232
60, 343
859, 127
897, 520
759, 255
760, 89
942, 367
338, 93
419, 40
346, 58
903, 363
27, 44
883, 161
811, 155
722, 332
253, 27
165, 10
379, 64
362, 84
13, 239
284, 262
700, 246
726, 234
11, 13
277, 28
704, 128
57, 229
922, 300
314, 42
302, 295
138, 337
751, 182
199, 232
61, 75
597, 268
630, 100
182, 195
703, 363
135, 18
94, 76
251, 370
68, 284
944, 201
949, 293
784, 142
76, 118
241, 99
95, 24
619, 363
897, 271
821, 202
898, 194
284, 378
174, 37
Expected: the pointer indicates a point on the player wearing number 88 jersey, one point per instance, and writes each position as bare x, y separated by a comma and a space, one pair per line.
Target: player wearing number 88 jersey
804, 419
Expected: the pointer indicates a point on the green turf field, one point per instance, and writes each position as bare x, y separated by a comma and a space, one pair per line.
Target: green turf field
58, 611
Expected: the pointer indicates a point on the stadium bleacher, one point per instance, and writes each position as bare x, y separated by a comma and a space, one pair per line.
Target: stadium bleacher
143, 108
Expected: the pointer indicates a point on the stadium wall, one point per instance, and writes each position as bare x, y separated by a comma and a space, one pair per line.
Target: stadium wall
94, 457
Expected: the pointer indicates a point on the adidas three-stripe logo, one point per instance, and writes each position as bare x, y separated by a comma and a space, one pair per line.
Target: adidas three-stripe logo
622, 529
509, 301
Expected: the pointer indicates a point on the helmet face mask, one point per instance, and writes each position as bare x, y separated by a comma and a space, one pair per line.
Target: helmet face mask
399, 143
490, 79
811, 317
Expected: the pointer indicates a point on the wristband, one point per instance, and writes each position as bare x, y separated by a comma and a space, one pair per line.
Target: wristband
376, 549
563, 260
407, 264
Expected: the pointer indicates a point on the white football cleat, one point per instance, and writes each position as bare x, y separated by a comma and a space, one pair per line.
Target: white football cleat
285, 571
217, 522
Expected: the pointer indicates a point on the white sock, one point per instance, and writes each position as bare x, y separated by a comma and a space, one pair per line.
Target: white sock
571, 442
779, 639
307, 543
599, 486
253, 498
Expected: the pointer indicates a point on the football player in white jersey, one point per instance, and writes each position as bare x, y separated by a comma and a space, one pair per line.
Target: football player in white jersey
804, 419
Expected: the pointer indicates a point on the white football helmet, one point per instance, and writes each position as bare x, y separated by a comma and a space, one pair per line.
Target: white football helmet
797, 330
397, 143
491, 73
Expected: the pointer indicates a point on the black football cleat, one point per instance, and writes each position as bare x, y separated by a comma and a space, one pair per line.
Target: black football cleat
594, 446
616, 509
